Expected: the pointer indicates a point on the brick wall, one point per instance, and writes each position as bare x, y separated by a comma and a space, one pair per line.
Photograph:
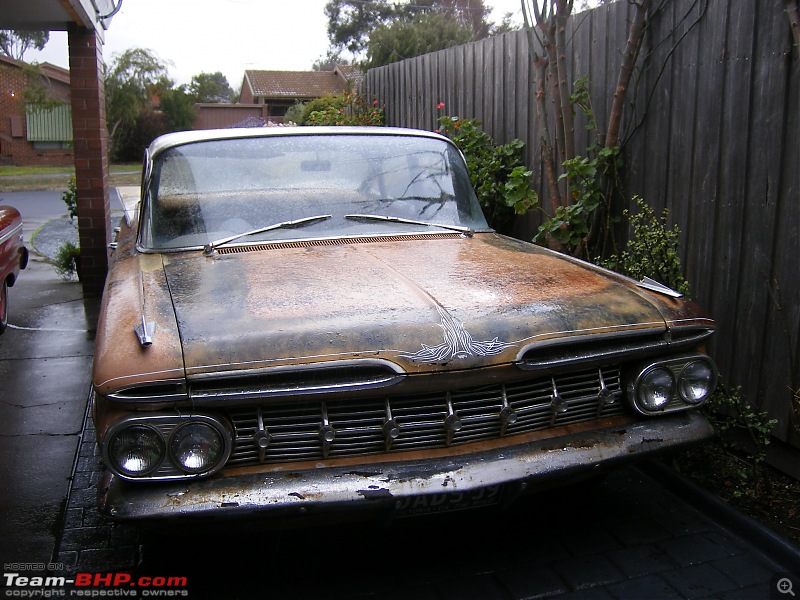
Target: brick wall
91, 156
14, 146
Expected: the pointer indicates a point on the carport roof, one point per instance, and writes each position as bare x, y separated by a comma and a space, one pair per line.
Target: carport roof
56, 15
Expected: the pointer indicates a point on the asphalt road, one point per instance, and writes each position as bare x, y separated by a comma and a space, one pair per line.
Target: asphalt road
36, 207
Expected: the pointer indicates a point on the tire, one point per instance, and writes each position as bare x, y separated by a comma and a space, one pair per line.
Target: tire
3, 307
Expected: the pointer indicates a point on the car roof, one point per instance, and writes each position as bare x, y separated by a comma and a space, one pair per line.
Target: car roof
170, 140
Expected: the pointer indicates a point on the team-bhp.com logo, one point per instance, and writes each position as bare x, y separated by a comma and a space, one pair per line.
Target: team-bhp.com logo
94, 585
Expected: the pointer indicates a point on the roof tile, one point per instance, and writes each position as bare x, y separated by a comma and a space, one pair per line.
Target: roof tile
294, 84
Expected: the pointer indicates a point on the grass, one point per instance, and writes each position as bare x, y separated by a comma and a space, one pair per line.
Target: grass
17, 179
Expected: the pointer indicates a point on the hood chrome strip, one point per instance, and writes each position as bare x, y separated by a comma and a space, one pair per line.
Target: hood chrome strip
655, 286
145, 329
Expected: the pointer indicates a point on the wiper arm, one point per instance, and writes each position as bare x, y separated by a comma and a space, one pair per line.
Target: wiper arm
468, 231
209, 248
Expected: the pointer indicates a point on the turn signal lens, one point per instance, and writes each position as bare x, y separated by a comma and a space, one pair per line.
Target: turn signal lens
136, 450
196, 447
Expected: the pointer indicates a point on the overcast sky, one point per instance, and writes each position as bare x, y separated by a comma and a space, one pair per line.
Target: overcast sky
195, 36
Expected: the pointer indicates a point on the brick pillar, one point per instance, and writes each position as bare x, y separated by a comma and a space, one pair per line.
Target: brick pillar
91, 155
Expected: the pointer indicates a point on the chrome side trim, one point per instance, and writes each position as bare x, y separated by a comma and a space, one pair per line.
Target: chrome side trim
169, 390
9, 233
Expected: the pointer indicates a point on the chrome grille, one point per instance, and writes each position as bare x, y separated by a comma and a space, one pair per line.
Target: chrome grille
295, 431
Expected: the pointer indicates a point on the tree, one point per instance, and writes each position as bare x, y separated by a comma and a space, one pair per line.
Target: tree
580, 184
212, 88
404, 39
351, 21
177, 109
330, 60
352, 24
133, 86
469, 13
14, 43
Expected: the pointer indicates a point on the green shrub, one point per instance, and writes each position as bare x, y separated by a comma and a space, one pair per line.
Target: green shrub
345, 109
498, 172
66, 260
70, 198
295, 113
653, 250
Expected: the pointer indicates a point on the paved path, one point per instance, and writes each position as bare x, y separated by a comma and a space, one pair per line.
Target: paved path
635, 534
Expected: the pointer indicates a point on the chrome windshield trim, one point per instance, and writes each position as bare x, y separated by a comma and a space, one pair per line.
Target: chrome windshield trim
343, 239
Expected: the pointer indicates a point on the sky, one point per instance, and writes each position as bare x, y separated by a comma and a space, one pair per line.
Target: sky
231, 36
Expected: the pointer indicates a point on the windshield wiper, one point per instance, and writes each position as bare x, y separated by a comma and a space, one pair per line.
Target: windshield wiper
468, 231
211, 246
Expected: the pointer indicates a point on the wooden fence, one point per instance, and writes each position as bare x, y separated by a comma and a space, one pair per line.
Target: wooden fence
712, 133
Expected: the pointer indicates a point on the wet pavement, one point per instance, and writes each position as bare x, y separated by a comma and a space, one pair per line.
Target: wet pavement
638, 533
45, 360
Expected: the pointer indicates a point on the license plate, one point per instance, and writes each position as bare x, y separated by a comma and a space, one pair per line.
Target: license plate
436, 503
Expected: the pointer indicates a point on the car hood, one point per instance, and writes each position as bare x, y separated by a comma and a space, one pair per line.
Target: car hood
449, 302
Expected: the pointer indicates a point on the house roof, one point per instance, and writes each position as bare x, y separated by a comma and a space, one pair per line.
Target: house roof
351, 73
295, 84
54, 71
47, 69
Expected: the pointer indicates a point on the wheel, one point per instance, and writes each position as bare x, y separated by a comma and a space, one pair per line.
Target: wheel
3, 307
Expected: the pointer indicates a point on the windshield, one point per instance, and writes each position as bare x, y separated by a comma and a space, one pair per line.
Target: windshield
208, 191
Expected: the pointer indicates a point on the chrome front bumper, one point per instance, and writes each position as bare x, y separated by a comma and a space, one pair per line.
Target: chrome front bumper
385, 486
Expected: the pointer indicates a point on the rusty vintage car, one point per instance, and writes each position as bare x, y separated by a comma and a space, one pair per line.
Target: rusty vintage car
305, 320
13, 256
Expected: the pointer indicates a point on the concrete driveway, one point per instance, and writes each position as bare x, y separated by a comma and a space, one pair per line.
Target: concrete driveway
45, 361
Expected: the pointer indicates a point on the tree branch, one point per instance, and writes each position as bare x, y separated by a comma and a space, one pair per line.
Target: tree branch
634, 43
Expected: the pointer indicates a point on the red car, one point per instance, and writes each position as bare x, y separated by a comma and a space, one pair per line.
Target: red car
13, 256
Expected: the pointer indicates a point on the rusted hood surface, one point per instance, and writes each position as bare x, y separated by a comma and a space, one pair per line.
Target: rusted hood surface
455, 303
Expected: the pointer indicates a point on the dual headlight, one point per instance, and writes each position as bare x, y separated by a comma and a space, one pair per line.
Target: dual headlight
167, 447
674, 384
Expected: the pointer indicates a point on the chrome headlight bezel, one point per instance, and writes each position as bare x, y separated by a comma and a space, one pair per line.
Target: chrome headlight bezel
180, 453
655, 387
679, 369
165, 427
116, 459
710, 376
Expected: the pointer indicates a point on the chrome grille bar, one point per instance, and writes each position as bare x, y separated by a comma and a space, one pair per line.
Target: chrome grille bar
320, 429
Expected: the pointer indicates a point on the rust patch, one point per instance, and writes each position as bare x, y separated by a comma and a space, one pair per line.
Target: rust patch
375, 494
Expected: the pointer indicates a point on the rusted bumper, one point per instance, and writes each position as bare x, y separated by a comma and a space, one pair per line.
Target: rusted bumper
386, 486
